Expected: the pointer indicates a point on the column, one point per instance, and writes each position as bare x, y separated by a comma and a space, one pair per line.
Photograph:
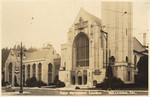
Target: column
76, 80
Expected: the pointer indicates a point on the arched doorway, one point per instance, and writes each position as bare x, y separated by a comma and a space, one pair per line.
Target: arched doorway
112, 60
10, 72
85, 80
73, 80
94, 82
81, 50
79, 80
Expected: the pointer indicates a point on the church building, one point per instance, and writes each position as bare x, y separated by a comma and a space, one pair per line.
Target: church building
43, 64
83, 57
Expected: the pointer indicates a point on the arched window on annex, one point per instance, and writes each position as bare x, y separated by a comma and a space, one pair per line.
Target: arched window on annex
34, 70
49, 73
10, 72
39, 71
28, 71
23, 73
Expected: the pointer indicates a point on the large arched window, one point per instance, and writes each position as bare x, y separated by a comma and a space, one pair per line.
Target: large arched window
82, 50
10, 72
34, 70
28, 69
49, 72
40, 70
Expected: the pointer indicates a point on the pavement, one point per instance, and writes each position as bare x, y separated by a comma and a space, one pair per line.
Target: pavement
71, 91
15, 93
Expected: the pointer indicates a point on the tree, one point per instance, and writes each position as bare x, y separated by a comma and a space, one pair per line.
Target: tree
143, 71
5, 53
15, 47
18, 47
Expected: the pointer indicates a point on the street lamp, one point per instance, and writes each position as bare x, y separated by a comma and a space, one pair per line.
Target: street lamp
21, 55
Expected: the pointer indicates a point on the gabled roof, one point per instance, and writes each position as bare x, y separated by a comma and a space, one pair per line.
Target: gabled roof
37, 54
84, 13
137, 46
40, 54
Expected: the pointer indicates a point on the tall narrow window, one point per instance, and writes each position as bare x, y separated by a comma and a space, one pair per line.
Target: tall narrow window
49, 72
128, 75
82, 51
40, 71
126, 59
10, 72
28, 69
135, 61
34, 70
23, 71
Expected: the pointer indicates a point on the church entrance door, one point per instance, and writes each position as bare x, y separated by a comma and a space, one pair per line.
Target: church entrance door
80, 80
85, 80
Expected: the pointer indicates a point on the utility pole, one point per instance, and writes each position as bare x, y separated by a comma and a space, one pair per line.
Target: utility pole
106, 49
21, 88
109, 73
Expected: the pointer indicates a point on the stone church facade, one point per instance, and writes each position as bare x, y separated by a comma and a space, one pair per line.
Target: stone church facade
43, 64
83, 57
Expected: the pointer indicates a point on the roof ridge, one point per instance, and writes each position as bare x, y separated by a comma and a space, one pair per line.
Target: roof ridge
138, 41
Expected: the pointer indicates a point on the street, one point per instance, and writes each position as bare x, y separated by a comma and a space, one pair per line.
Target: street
73, 92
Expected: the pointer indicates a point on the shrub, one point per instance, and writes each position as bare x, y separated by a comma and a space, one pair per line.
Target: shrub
60, 84
77, 88
40, 83
16, 84
115, 83
56, 79
32, 82
5, 83
51, 84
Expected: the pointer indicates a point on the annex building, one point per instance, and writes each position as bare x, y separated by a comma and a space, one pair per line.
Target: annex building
83, 57
44, 64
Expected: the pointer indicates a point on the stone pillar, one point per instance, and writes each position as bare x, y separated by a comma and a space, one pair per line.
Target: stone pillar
76, 80
91, 79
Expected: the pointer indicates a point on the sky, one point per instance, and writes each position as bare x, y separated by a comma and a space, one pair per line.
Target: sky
48, 21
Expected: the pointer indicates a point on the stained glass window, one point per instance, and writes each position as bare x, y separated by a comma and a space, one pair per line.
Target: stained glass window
82, 51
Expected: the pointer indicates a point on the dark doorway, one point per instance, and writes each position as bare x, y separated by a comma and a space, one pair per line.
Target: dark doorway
94, 82
73, 80
80, 80
85, 80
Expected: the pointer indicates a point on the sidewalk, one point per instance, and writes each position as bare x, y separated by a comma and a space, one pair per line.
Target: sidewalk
14, 93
